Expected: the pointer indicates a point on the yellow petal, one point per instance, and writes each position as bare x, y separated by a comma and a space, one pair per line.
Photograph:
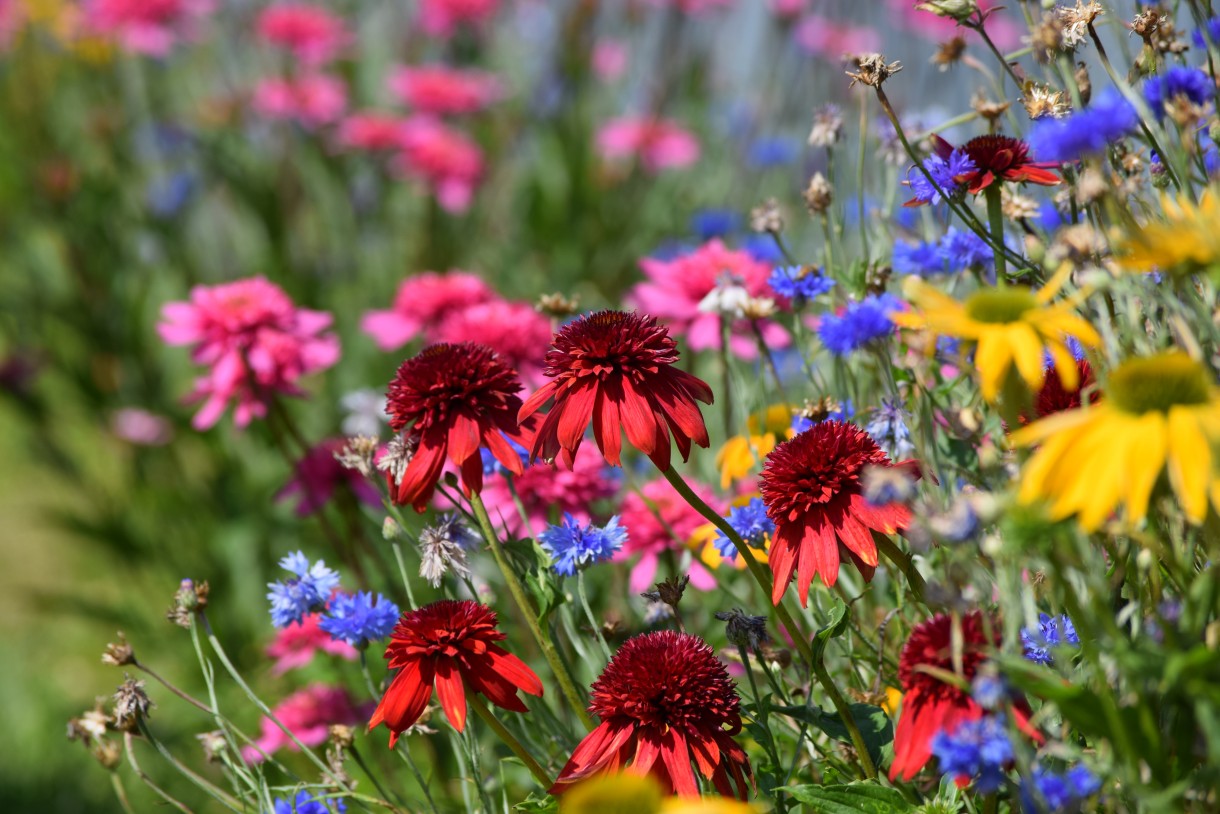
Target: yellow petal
1065, 365
1027, 351
1055, 424
1190, 461
1055, 284
1145, 459
992, 360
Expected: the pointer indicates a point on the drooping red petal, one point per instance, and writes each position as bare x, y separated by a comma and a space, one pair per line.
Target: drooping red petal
451, 693
514, 670
422, 473
607, 429
676, 757
464, 437
405, 699
783, 558
638, 420
534, 403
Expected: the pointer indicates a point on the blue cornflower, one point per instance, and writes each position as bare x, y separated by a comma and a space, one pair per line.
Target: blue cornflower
965, 250
839, 412
978, 751
859, 323
359, 618
1048, 791
1052, 632
304, 803
1179, 80
773, 151
307, 592
492, 466
709, 223
888, 428
573, 546
923, 259
763, 249
1049, 216
799, 283
1108, 118
167, 195
751, 522
1208, 34
944, 171
989, 691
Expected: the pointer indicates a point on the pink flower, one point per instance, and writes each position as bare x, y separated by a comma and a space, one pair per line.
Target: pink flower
693, 6
309, 714
675, 288
311, 101
515, 330
294, 646
150, 27
447, 160
423, 301
545, 489
444, 91
658, 144
609, 59
827, 38
649, 537
788, 9
254, 341
371, 131
1002, 29
12, 18
140, 427
317, 475
440, 18
313, 34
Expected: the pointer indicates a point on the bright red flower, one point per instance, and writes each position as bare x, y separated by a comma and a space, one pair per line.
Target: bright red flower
930, 704
811, 485
1053, 397
998, 158
451, 645
449, 401
615, 368
664, 701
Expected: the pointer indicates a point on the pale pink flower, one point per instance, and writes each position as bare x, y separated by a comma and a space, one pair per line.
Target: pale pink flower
642, 515
12, 18
254, 343
1001, 28
609, 59
441, 18
308, 714
424, 301
312, 100
828, 38
443, 91
515, 330
675, 289
311, 33
140, 427
370, 130
150, 27
789, 9
658, 144
295, 645
318, 474
446, 160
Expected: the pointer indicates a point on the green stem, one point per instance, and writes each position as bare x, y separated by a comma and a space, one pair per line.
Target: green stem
566, 684
849, 721
120, 792
520, 751
584, 603
146, 780
995, 217
220, 795
904, 563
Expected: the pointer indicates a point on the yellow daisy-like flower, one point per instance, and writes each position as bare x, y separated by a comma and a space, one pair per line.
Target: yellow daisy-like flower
627, 793
1157, 413
741, 453
1187, 242
1009, 324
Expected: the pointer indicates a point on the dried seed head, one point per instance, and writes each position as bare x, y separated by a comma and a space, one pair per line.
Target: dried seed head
397, 456
827, 126
342, 736
131, 705
190, 599
1016, 206
949, 53
1041, 102
1083, 82
1077, 20
742, 629
118, 653
557, 306
1046, 38
358, 453
818, 195
758, 308
442, 548
668, 592
988, 109
214, 745
766, 218
872, 70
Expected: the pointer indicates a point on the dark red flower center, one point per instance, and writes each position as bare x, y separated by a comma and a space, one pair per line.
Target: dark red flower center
817, 466
997, 153
931, 645
446, 377
445, 628
607, 342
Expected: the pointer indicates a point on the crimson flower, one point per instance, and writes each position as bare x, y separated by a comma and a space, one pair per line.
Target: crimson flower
615, 369
450, 644
664, 701
1053, 397
811, 486
997, 158
449, 401
930, 704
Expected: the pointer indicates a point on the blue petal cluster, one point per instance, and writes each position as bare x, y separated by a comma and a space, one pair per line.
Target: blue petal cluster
1208, 34
799, 283
859, 323
1179, 80
1052, 632
763, 249
772, 151
845, 412
360, 618
1051, 792
304, 593
1108, 118
304, 803
944, 171
492, 465
977, 751
888, 428
573, 546
956, 251
751, 522
709, 223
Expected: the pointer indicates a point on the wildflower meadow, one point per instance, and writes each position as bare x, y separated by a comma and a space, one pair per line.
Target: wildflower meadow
610, 406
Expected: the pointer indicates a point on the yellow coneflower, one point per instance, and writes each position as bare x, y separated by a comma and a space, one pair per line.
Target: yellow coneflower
741, 453
1186, 242
628, 793
1158, 413
1009, 325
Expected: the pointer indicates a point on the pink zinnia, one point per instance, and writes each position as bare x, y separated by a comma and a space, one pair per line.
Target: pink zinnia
649, 537
295, 645
309, 714
443, 91
318, 474
311, 33
445, 159
254, 343
675, 289
311, 101
149, 27
422, 303
440, 18
657, 144
514, 330
371, 131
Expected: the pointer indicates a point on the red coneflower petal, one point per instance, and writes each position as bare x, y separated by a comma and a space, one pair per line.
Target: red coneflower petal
422, 473
676, 758
534, 403
858, 539
464, 436
514, 670
638, 419
405, 699
607, 429
451, 693
647, 750
574, 418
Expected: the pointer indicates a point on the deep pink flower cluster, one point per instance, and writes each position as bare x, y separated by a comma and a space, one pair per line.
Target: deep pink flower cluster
657, 144
444, 91
657, 520
150, 27
442, 18
295, 645
693, 6
310, 100
309, 715
550, 487
312, 34
254, 343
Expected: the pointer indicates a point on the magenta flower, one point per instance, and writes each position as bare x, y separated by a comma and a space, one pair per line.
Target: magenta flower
370, 131
447, 160
295, 645
150, 27
311, 101
831, 39
657, 144
676, 288
309, 714
317, 475
609, 59
441, 18
254, 343
515, 330
444, 91
312, 34
642, 515
422, 303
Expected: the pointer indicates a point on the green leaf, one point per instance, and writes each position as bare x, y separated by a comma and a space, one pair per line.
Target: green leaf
853, 798
537, 803
875, 725
835, 627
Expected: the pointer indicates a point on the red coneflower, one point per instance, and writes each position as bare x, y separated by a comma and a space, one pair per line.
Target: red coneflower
664, 700
998, 158
615, 369
450, 644
811, 485
1053, 397
449, 401
929, 704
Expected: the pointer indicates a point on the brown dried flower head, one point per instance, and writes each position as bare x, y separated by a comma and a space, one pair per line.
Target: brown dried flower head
827, 126
118, 653
949, 53
558, 306
131, 705
766, 218
358, 453
872, 70
988, 109
818, 195
1040, 102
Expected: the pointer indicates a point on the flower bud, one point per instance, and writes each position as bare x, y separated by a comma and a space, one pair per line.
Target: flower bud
959, 10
